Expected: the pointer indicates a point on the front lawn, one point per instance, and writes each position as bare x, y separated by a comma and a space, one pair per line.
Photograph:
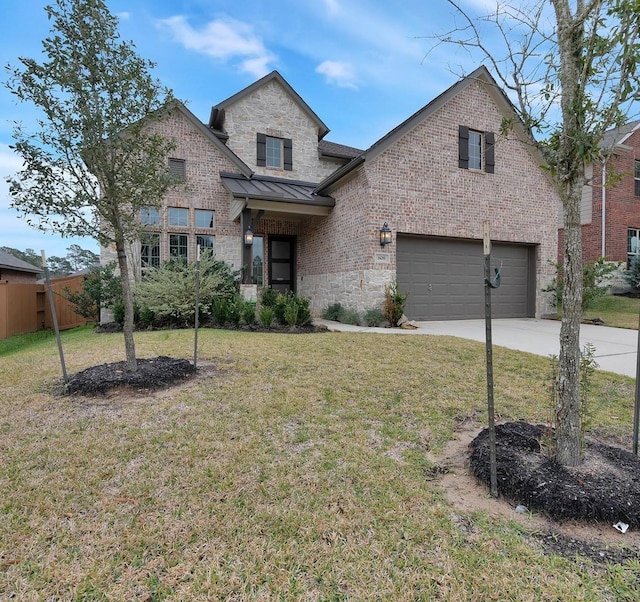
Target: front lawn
620, 312
294, 467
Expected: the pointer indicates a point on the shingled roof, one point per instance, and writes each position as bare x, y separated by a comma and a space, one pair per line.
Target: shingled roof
10, 262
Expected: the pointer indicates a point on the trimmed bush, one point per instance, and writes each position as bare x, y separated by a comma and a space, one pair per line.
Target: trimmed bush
333, 312
373, 317
248, 312
266, 317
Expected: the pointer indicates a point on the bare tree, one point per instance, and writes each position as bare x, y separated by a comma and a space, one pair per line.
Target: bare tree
93, 163
570, 69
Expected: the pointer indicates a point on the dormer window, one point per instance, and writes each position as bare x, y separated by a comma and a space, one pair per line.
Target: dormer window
273, 152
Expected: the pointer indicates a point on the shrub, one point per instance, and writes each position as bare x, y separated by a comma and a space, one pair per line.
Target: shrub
374, 317
169, 291
632, 275
266, 317
100, 289
219, 310
291, 314
333, 312
350, 316
394, 302
248, 312
593, 274
268, 297
234, 309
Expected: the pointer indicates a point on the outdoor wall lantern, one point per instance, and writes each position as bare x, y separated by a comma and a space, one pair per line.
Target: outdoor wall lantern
248, 237
385, 235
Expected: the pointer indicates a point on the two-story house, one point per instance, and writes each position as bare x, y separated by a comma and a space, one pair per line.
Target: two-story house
265, 190
610, 209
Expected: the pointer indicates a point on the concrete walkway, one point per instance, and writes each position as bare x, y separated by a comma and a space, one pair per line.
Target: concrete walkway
616, 348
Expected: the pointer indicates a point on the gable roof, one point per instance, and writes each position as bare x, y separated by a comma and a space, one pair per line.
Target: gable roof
211, 136
480, 74
323, 130
338, 151
10, 262
618, 136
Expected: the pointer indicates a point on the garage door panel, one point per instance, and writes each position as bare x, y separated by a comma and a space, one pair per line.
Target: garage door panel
445, 278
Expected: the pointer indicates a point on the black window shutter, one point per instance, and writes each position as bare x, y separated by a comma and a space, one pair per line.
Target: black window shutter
489, 152
262, 150
463, 147
287, 145
637, 188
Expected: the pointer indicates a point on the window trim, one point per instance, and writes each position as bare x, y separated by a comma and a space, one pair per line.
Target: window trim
632, 232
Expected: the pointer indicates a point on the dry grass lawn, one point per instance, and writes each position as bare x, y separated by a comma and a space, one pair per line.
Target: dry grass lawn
294, 467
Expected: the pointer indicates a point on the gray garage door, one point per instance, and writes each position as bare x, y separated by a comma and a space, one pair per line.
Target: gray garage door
445, 278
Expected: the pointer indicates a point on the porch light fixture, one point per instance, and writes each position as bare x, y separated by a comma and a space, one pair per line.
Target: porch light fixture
248, 237
385, 235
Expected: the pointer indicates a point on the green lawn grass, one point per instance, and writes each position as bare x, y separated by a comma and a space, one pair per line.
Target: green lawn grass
621, 312
297, 467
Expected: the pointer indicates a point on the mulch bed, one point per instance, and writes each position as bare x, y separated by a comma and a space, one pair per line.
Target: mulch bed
153, 373
604, 488
112, 327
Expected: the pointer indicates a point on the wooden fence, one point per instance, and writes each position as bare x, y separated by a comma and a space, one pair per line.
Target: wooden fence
26, 307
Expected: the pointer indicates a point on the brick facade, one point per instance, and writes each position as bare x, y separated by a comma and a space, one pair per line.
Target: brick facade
413, 182
622, 206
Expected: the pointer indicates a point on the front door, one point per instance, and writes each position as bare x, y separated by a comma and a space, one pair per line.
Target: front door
282, 276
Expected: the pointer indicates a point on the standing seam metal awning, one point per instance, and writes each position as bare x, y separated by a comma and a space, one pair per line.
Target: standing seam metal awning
275, 194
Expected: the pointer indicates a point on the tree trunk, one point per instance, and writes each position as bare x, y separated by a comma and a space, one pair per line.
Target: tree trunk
127, 298
570, 177
568, 413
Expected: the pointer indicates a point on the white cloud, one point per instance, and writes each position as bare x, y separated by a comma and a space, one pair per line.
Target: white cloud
225, 40
123, 16
338, 73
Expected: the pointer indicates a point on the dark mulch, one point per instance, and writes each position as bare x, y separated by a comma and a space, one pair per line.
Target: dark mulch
278, 328
605, 488
153, 373
570, 547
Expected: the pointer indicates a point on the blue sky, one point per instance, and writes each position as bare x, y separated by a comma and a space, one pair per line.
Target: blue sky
363, 66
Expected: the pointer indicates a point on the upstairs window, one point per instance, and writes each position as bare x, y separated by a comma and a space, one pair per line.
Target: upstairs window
178, 216
273, 152
204, 218
150, 216
476, 149
636, 175
178, 169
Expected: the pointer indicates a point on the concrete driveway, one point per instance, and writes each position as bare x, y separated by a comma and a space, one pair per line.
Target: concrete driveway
616, 348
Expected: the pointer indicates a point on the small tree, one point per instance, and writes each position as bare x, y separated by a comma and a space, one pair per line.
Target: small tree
100, 289
93, 162
571, 69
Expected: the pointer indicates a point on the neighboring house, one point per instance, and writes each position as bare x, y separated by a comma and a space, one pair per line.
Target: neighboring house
17, 271
610, 210
316, 209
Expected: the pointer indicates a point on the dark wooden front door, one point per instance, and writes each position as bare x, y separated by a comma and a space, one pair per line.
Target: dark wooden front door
282, 261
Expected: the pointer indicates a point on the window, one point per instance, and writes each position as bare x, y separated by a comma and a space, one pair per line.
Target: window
150, 251
178, 169
178, 246
476, 149
149, 216
633, 244
204, 218
205, 242
636, 175
276, 153
257, 260
178, 216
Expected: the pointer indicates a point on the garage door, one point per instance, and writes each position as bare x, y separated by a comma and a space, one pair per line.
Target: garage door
445, 279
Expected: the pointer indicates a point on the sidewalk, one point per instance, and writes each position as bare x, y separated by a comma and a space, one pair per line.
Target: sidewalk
616, 348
